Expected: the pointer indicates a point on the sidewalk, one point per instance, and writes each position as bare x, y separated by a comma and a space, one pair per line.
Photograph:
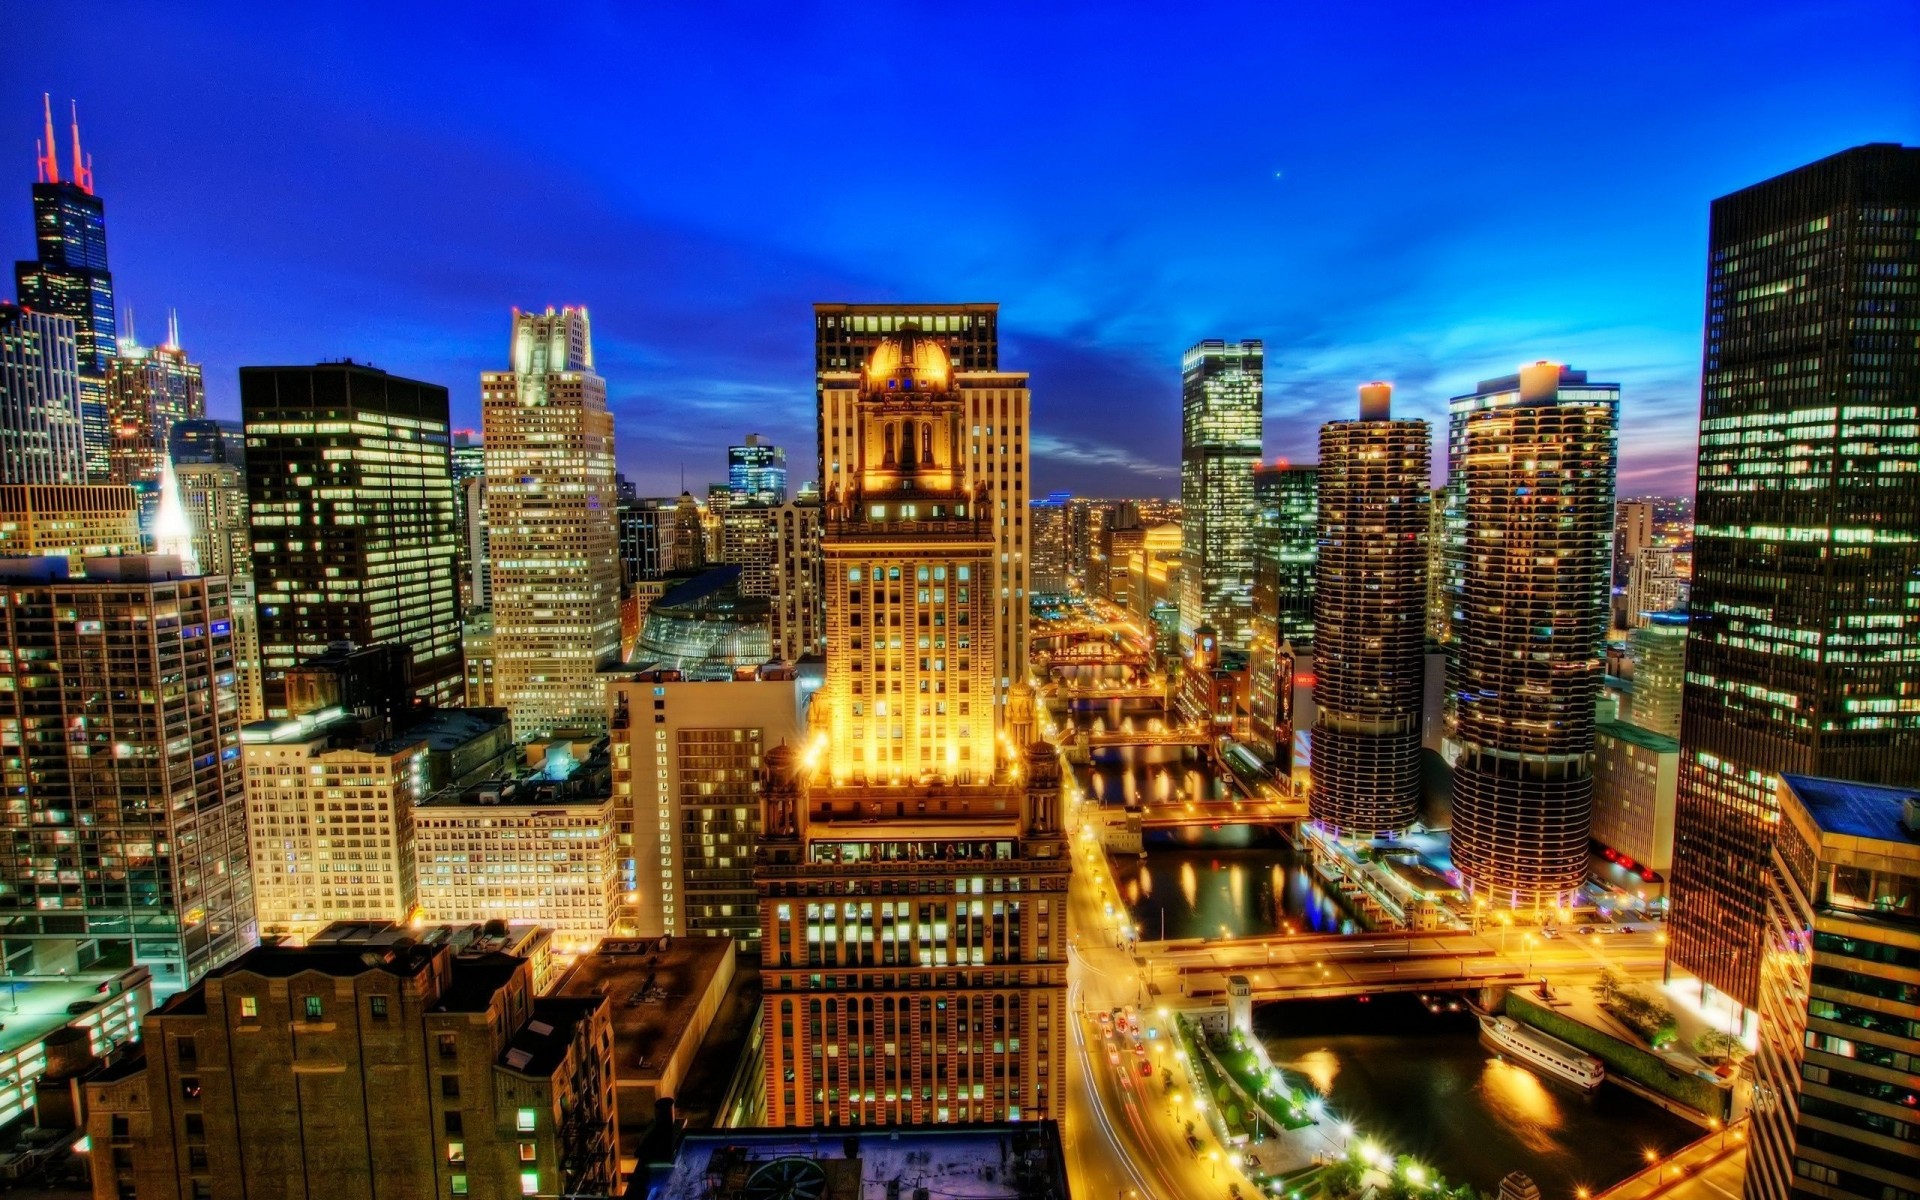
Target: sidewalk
1713, 1168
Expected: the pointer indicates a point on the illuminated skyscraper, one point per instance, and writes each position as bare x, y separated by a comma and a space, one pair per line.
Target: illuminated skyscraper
1221, 395
844, 335
41, 438
1050, 571
994, 431
1370, 594
213, 498
911, 868
1285, 547
351, 505
799, 612
149, 390
1803, 653
1536, 476
126, 836
69, 277
1632, 533
552, 525
757, 471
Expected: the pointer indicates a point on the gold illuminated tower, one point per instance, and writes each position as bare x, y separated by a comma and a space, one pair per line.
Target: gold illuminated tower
552, 528
911, 868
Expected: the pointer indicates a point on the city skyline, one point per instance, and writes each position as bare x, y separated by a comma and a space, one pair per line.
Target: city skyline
699, 285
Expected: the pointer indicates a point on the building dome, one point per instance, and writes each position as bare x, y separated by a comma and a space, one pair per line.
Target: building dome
910, 361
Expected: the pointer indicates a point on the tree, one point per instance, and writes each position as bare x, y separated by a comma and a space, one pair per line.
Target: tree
1342, 1179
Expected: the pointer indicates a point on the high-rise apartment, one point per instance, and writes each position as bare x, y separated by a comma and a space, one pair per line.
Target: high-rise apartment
1221, 402
552, 529
1369, 641
749, 539
1838, 1067
1489, 395
351, 507
991, 457
799, 614
1654, 585
68, 277
74, 522
1803, 653
1632, 533
356, 1072
688, 766
42, 440
214, 497
125, 833
1536, 485
757, 471
844, 336
149, 389
912, 868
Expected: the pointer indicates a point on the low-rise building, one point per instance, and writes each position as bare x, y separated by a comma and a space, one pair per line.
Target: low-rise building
666, 993
107, 1004
1636, 776
470, 940
1835, 1113
71, 521
538, 848
352, 1073
982, 1162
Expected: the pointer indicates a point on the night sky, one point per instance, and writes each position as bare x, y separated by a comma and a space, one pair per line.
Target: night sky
1427, 194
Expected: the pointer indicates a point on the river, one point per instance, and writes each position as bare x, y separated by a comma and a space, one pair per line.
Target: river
1422, 1084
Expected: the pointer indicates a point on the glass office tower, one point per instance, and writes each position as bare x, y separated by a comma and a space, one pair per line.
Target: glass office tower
1221, 397
1803, 653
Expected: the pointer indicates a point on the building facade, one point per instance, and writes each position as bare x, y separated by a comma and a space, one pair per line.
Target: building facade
1369, 620
1803, 653
1654, 585
42, 441
126, 833
1633, 523
1050, 571
1659, 653
1838, 1065
982, 441
149, 389
68, 277
283, 1075
72, 521
1222, 402
1537, 475
351, 507
688, 763
799, 612
553, 534
1635, 774
330, 816
757, 471
911, 868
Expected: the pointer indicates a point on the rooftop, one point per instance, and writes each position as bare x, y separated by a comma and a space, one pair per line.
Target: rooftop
962, 1162
1633, 734
654, 994
537, 1047
452, 728
39, 1006
1862, 810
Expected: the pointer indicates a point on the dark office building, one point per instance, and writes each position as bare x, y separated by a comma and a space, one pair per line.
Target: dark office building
844, 335
351, 506
644, 553
1803, 652
1370, 619
69, 277
1285, 546
207, 440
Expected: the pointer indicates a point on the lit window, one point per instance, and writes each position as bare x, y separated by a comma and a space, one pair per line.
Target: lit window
526, 1151
524, 1120
529, 1183
250, 1007
313, 1008
459, 1183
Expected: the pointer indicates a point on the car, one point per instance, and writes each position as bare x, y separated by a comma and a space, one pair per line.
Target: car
80, 1006
1113, 1056
1586, 930
1140, 1048
1146, 1068
1549, 933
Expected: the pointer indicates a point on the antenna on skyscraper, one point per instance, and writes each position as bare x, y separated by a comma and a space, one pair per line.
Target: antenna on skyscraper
173, 328
49, 157
130, 335
82, 165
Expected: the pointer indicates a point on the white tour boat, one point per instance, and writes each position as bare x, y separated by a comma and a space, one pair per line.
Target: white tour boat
1527, 1046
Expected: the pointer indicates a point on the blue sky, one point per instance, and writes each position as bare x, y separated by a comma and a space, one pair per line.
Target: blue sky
1428, 194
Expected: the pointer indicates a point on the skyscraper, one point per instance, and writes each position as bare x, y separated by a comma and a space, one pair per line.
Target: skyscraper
1632, 533
1369, 642
351, 506
1050, 571
552, 527
208, 441
69, 277
932, 989
1221, 393
844, 335
994, 429
41, 437
126, 836
1285, 547
1488, 395
757, 471
213, 500
1537, 473
1803, 654
799, 615
149, 390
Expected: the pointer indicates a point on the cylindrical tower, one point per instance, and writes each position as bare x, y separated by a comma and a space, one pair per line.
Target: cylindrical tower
1369, 619
1528, 645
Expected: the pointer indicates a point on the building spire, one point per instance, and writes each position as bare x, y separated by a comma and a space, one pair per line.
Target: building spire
173, 328
49, 161
82, 165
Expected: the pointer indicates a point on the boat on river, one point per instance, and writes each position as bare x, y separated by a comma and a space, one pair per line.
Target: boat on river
1528, 1047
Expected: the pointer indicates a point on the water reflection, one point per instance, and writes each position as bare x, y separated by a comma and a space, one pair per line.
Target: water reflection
1424, 1085
1244, 891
